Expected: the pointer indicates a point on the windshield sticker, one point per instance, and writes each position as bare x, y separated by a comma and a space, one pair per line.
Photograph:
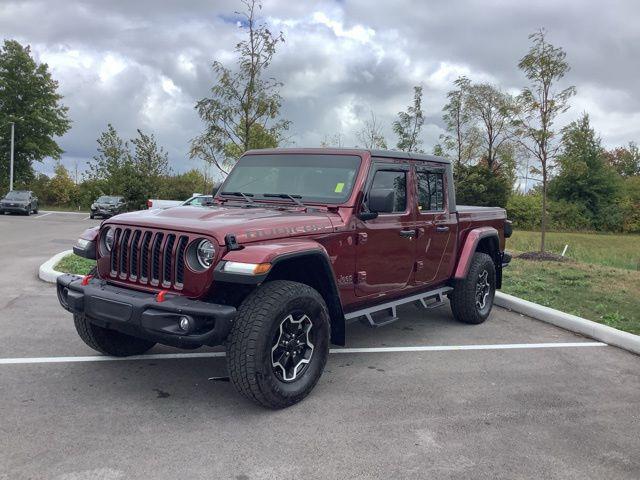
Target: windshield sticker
339, 187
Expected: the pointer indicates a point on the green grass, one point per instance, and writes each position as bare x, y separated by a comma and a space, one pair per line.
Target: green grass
74, 264
620, 251
603, 294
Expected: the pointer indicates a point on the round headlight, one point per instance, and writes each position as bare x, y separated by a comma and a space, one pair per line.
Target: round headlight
205, 253
108, 239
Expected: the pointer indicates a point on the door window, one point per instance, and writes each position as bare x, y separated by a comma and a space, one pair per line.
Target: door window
430, 191
393, 181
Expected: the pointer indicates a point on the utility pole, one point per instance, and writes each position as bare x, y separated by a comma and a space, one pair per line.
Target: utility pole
13, 127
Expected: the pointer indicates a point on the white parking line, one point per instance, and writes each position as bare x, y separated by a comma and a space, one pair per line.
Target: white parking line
420, 348
43, 215
64, 213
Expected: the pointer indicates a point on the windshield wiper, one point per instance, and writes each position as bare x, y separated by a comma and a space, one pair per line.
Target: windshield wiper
246, 196
293, 198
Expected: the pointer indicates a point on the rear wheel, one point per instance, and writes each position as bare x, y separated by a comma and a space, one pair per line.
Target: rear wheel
109, 341
472, 297
279, 343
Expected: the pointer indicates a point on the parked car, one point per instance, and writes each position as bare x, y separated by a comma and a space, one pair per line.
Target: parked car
107, 206
198, 201
158, 204
300, 242
19, 201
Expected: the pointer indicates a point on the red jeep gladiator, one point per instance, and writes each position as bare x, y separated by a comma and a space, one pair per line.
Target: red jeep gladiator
296, 243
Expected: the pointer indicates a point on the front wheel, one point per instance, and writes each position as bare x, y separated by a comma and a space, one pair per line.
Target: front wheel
472, 297
279, 343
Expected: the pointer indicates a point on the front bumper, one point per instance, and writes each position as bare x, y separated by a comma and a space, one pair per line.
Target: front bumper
103, 212
15, 208
139, 313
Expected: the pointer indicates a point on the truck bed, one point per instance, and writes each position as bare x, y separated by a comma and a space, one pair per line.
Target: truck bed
470, 213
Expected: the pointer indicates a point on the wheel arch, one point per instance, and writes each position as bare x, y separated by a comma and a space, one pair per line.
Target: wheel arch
484, 240
313, 268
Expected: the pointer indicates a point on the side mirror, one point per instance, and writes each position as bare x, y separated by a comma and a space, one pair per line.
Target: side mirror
381, 200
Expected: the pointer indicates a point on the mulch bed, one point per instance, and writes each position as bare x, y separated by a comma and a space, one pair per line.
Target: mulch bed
543, 257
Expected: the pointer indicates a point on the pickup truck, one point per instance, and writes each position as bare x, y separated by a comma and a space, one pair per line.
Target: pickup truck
296, 244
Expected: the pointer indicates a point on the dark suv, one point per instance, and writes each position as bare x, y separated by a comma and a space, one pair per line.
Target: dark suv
107, 206
19, 201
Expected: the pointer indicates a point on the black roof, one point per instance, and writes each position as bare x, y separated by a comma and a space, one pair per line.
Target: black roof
353, 151
408, 156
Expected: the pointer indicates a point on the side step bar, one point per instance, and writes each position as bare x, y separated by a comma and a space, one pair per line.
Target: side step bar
431, 299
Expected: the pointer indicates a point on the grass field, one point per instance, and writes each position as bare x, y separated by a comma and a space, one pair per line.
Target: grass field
620, 251
74, 264
600, 281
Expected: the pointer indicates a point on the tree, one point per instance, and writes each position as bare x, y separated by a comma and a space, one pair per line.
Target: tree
462, 137
478, 185
371, 134
112, 160
492, 110
28, 97
625, 160
409, 124
62, 188
543, 65
244, 108
150, 162
584, 178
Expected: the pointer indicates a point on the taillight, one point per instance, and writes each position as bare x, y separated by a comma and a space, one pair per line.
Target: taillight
149, 204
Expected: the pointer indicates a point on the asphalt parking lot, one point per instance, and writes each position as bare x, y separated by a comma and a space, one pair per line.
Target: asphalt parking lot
495, 408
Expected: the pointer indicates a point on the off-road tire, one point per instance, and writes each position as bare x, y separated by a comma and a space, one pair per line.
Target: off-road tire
463, 298
108, 341
249, 347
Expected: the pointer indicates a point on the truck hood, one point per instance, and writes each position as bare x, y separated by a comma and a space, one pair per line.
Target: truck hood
247, 224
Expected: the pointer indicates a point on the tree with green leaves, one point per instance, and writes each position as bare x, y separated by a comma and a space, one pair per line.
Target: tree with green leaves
583, 177
625, 160
136, 174
462, 137
409, 124
540, 103
243, 111
491, 110
371, 134
28, 97
62, 188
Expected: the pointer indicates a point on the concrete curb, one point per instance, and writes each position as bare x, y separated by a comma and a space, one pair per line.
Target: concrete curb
46, 271
609, 335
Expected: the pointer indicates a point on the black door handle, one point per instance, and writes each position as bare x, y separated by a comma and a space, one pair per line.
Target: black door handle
442, 228
408, 233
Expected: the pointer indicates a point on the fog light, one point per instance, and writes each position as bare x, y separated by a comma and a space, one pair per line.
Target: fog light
185, 323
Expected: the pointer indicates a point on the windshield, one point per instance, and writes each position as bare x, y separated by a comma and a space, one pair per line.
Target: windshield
106, 199
15, 195
313, 178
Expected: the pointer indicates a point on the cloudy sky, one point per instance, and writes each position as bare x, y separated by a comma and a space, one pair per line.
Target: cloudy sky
144, 63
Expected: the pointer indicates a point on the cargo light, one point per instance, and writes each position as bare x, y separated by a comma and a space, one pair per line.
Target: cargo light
246, 268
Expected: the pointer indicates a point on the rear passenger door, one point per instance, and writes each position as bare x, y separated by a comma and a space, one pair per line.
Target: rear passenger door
386, 244
436, 226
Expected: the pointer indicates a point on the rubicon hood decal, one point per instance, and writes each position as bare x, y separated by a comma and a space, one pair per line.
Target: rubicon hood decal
247, 224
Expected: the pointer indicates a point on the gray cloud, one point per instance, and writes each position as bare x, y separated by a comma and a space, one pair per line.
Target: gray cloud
144, 64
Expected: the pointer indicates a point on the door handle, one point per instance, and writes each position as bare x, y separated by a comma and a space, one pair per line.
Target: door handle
408, 233
442, 228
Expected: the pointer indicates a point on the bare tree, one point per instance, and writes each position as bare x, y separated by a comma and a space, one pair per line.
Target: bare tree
243, 110
540, 104
371, 134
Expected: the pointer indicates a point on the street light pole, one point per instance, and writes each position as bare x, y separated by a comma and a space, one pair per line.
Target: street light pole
13, 127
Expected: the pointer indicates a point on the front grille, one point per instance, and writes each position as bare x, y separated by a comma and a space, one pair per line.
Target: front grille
149, 257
